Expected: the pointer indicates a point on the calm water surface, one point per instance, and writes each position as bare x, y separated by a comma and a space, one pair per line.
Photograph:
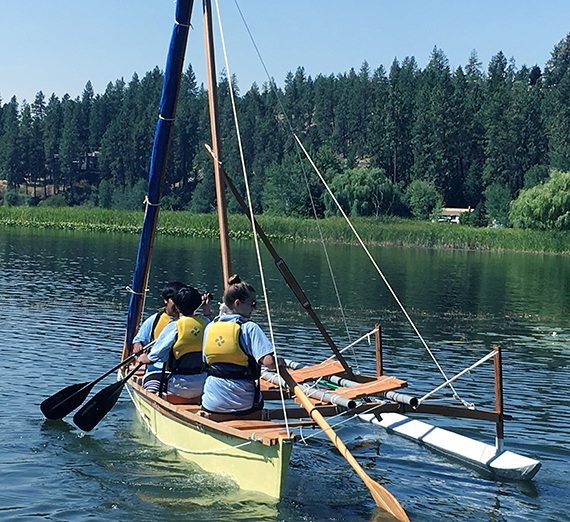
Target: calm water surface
63, 304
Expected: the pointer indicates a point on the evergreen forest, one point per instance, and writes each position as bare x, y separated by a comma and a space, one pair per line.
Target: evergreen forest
399, 141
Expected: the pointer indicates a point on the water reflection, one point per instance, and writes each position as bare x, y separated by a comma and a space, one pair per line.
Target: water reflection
63, 300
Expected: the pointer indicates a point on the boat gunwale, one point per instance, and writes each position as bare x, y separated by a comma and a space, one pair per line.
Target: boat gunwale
197, 421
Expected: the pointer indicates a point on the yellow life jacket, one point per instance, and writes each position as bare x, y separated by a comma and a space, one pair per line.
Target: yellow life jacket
222, 344
161, 320
224, 356
186, 355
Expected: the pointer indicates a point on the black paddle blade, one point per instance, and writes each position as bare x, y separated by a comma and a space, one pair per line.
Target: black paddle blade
65, 401
91, 414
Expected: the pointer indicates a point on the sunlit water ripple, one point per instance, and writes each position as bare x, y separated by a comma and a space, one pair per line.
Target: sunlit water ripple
63, 315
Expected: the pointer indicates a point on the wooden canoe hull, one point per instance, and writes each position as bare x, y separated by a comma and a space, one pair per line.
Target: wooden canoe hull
255, 466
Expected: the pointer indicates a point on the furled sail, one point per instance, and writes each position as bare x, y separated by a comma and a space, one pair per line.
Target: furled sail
162, 138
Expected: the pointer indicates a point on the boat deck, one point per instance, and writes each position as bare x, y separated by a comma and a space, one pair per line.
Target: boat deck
267, 425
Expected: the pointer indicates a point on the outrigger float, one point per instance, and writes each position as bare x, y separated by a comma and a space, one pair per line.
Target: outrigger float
255, 449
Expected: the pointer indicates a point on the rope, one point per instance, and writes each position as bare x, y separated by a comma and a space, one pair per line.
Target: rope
273, 84
131, 291
323, 244
299, 144
332, 426
448, 381
147, 202
250, 205
183, 25
378, 270
365, 336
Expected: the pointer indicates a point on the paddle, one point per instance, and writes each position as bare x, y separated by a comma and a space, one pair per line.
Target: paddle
65, 401
381, 495
91, 413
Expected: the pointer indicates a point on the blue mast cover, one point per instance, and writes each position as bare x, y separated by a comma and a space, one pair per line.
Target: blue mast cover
162, 137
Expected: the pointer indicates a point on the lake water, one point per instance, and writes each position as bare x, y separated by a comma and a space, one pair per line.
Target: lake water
63, 302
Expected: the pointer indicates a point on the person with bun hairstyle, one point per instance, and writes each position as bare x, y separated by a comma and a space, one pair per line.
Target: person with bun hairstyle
234, 348
179, 347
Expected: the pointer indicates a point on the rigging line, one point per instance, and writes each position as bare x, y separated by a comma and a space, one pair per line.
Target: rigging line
331, 272
480, 361
365, 336
273, 84
333, 426
250, 205
391, 290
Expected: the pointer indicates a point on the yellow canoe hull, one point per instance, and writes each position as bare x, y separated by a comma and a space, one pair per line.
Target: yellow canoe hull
254, 466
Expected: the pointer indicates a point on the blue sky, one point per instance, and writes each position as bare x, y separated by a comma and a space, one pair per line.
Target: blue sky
58, 45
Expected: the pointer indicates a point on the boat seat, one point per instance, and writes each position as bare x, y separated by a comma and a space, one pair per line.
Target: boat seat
176, 399
225, 417
379, 385
310, 373
256, 428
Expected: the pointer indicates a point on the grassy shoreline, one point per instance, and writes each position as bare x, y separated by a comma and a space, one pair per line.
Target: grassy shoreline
373, 231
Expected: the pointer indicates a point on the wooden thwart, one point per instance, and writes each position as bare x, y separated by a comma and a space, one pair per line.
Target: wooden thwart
380, 385
311, 373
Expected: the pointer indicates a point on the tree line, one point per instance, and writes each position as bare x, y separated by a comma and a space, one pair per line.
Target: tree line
403, 141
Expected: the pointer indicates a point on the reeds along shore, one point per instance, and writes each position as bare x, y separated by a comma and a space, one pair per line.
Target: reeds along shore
386, 231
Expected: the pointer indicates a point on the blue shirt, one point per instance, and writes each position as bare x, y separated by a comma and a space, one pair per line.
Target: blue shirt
228, 395
144, 336
183, 385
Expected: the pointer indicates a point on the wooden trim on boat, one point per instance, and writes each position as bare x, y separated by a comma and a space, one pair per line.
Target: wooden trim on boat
380, 385
441, 409
193, 416
311, 373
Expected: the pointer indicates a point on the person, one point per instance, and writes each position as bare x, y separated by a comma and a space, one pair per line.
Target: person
179, 348
150, 329
234, 348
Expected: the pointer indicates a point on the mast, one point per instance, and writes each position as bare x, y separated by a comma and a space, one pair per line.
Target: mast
216, 144
162, 139
222, 179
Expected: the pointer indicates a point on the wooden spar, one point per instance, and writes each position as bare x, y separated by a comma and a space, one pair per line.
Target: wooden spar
378, 346
216, 142
499, 426
283, 268
402, 398
383, 498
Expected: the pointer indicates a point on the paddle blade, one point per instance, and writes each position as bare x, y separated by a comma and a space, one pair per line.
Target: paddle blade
383, 498
386, 501
91, 414
65, 401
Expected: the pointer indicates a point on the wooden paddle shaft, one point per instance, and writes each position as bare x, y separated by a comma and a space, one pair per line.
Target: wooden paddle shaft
381, 495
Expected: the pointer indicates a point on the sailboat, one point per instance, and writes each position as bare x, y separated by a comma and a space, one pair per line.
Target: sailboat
255, 449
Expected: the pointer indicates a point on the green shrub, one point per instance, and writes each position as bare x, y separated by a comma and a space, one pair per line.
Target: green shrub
56, 200
364, 192
12, 198
423, 199
497, 203
545, 206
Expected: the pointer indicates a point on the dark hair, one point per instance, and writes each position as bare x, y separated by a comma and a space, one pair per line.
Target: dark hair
237, 289
170, 289
187, 299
